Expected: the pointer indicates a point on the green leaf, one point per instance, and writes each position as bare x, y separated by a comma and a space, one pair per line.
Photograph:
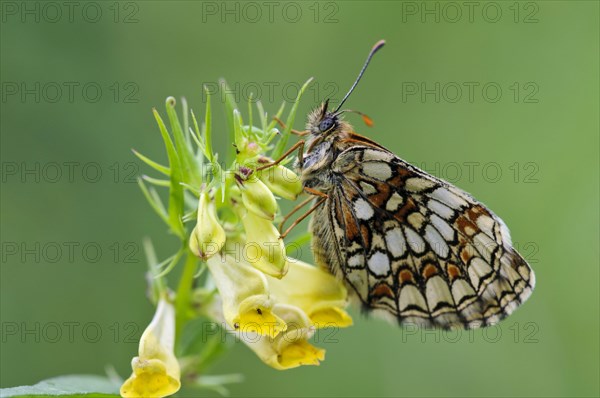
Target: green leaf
208, 127
186, 120
250, 115
191, 216
154, 200
156, 181
170, 263
189, 169
197, 136
230, 105
273, 122
238, 130
69, 386
158, 286
263, 116
280, 148
176, 190
191, 188
156, 166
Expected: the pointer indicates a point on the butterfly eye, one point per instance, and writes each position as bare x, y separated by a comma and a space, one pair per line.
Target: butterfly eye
326, 124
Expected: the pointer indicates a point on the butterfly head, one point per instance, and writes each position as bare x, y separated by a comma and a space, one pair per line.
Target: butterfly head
322, 122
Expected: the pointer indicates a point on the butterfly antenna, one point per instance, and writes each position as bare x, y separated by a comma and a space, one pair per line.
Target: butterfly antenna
376, 47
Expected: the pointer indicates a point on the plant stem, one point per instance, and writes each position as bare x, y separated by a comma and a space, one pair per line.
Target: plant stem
184, 293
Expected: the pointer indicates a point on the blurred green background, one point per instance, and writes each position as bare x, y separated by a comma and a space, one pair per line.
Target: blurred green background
500, 98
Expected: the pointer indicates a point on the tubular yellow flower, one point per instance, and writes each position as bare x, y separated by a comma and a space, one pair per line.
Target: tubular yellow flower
290, 348
245, 296
281, 181
257, 197
264, 248
156, 371
318, 293
208, 236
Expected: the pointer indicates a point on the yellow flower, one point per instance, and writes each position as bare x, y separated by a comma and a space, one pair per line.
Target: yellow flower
264, 248
290, 348
276, 317
318, 293
208, 236
245, 296
156, 371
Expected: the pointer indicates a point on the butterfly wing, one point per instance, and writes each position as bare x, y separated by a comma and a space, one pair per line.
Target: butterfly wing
415, 247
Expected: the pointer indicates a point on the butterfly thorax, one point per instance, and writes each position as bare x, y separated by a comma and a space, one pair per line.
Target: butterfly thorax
328, 138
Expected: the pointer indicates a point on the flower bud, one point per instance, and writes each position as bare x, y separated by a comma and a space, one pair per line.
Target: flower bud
208, 236
264, 247
257, 197
282, 181
251, 149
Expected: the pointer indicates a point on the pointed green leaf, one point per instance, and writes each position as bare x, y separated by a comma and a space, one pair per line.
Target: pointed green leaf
154, 200
197, 136
157, 285
271, 125
191, 216
156, 166
208, 127
157, 181
186, 120
170, 263
189, 168
238, 130
230, 105
199, 142
281, 145
191, 188
263, 116
250, 114
176, 190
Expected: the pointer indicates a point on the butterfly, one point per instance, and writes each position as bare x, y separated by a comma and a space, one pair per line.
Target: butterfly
408, 245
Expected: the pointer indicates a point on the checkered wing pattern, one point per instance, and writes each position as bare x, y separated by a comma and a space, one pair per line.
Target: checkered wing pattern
416, 247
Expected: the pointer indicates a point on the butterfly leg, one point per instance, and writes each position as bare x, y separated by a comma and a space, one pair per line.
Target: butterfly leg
299, 146
311, 191
295, 132
293, 211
